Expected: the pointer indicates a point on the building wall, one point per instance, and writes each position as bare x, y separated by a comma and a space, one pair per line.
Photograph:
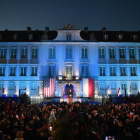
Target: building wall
93, 61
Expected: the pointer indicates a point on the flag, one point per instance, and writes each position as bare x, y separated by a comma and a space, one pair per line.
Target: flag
3, 90
73, 91
49, 87
118, 90
130, 88
88, 87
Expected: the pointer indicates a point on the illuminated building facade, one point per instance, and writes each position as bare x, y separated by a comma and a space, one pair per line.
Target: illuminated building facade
111, 58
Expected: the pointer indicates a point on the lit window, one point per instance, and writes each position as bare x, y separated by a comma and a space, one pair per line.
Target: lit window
102, 71
84, 53
23, 71
68, 70
13, 71
111, 53
68, 37
132, 53
24, 52
3, 52
52, 53
34, 53
101, 53
122, 52
85, 71
34, 71
123, 71
133, 71
2, 70
13, 52
51, 71
112, 71
68, 53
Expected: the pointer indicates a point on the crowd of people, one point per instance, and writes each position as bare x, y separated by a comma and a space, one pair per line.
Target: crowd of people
69, 122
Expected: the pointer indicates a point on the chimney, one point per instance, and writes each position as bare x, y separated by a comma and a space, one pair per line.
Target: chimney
6, 30
86, 29
46, 29
28, 29
104, 29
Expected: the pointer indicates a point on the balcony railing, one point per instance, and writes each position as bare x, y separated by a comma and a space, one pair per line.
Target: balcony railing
122, 61
34, 61
13, 61
12, 75
132, 61
113, 74
123, 74
2, 74
23, 61
112, 61
3, 61
133, 74
102, 61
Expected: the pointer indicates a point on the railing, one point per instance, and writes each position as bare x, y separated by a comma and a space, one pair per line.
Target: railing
23, 61
102, 61
34, 61
3, 61
13, 61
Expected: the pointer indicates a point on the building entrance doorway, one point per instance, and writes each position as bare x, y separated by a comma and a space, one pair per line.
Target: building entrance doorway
68, 87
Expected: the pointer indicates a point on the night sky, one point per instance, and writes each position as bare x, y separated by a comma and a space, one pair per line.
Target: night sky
115, 15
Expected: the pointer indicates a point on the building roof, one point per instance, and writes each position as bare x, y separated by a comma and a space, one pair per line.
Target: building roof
23, 36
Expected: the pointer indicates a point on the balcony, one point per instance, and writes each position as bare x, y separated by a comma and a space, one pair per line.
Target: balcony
73, 78
3, 61
23, 61
112, 61
132, 61
133, 74
2, 74
102, 61
113, 74
122, 61
12, 75
13, 61
123, 74
23, 75
34, 61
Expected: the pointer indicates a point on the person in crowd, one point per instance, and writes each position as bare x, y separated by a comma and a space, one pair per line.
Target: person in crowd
61, 126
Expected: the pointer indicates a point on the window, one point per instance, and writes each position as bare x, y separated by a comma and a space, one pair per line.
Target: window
68, 37
133, 71
102, 71
101, 53
52, 53
12, 71
123, 86
85, 53
120, 37
105, 37
112, 71
131, 53
111, 53
122, 71
30, 37
33, 86
68, 70
85, 71
102, 86
3, 53
122, 52
1, 86
12, 86
2, 71
22, 86
68, 53
34, 53
34, 71
23, 71
134, 37
52, 71
15, 37
24, 52
134, 86
13, 52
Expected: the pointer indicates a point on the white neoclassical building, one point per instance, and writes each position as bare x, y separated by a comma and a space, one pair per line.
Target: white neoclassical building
68, 55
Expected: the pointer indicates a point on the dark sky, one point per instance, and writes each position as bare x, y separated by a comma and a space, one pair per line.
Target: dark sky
115, 15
